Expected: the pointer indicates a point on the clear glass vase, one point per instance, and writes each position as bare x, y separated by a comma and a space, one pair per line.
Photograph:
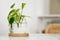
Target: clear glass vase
21, 29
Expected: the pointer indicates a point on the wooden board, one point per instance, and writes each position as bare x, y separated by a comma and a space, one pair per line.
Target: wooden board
53, 29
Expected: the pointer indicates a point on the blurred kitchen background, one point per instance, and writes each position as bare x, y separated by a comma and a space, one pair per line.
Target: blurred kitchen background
37, 9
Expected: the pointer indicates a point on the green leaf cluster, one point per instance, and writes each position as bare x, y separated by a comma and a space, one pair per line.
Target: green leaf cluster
15, 15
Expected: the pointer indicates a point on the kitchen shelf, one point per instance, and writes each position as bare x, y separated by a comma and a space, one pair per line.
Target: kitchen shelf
49, 16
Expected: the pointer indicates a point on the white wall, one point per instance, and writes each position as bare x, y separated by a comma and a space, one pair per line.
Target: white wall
43, 8
34, 9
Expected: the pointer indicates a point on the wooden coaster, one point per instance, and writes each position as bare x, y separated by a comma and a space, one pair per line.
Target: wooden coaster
18, 35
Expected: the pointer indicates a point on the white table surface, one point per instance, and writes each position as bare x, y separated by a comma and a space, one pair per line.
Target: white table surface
33, 37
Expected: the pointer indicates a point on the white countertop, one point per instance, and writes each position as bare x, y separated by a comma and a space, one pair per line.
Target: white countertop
33, 37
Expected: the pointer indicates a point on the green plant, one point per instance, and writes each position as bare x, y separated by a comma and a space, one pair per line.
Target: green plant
15, 15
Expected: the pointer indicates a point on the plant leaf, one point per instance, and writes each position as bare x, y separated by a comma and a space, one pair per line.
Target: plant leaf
16, 18
21, 18
11, 21
17, 10
12, 5
11, 12
23, 5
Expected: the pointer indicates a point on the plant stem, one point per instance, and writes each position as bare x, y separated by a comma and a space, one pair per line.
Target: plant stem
18, 25
11, 29
11, 26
